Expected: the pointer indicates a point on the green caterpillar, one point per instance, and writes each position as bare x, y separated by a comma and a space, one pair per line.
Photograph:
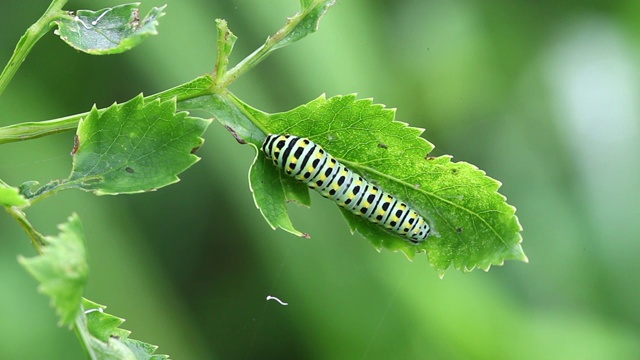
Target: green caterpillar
307, 162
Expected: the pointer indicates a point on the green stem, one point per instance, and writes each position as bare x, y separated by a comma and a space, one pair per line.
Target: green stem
37, 239
29, 39
278, 40
32, 130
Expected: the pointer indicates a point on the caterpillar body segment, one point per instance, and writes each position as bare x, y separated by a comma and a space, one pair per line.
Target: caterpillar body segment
309, 163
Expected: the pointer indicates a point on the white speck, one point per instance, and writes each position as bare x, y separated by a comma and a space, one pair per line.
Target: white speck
269, 297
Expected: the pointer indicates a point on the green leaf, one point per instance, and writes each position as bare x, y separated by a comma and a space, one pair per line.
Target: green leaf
62, 269
108, 31
269, 194
103, 339
473, 224
10, 196
134, 147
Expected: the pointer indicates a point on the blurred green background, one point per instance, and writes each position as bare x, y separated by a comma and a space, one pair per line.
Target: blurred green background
543, 96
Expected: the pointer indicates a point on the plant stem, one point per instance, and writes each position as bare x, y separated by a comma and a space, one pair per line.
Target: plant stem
281, 38
32, 130
29, 39
37, 239
249, 62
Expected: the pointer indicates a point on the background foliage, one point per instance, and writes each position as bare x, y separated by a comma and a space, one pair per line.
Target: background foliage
541, 96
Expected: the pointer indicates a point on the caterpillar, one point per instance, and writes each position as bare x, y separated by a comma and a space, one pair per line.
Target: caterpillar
309, 163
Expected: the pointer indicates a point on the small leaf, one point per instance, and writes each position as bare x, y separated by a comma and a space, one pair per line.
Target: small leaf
10, 196
103, 339
134, 147
472, 223
62, 269
304, 23
226, 40
269, 194
108, 31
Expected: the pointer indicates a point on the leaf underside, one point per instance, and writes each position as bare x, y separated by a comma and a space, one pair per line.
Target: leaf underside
108, 31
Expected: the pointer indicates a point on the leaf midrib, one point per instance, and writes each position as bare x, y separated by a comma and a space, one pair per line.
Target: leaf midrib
426, 193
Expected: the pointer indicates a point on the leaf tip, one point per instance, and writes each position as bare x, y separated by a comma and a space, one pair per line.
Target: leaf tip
518, 253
